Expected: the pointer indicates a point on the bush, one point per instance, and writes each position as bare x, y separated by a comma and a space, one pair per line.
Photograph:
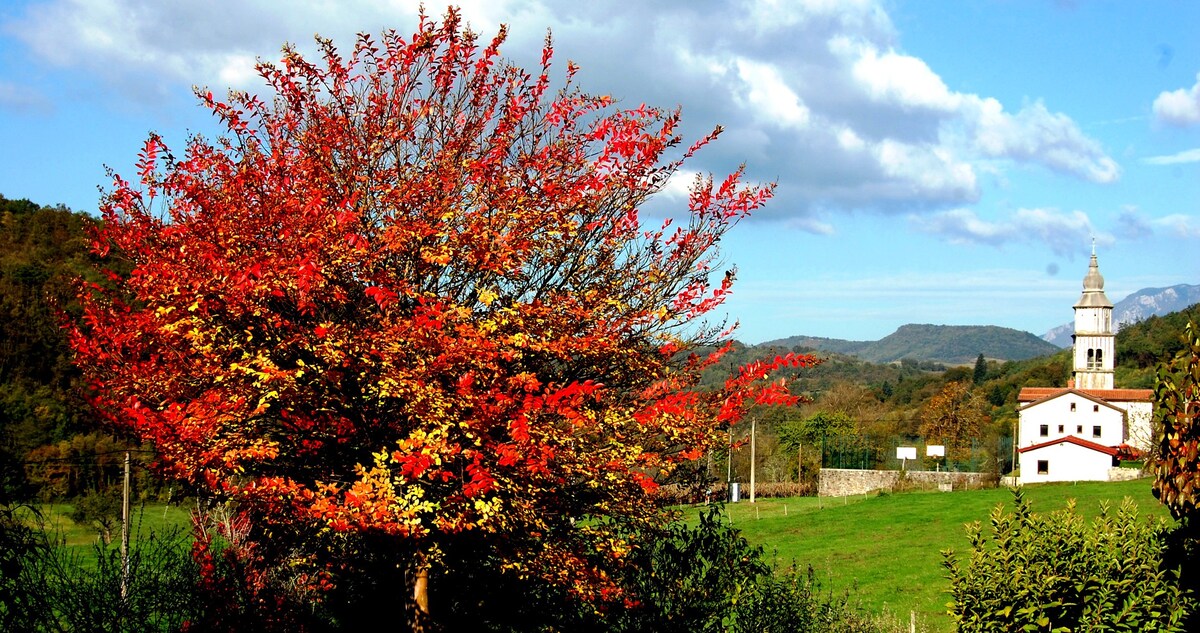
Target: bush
100, 510
22, 593
1055, 572
45, 587
685, 578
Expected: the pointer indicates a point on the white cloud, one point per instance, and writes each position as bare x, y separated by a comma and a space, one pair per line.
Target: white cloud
1186, 156
774, 16
768, 95
811, 225
926, 169
1065, 233
816, 94
679, 185
153, 48
1035, 134
979, 125
1179, 107
898, 79
1181, 225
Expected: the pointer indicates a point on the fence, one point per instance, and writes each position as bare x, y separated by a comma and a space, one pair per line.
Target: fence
876, 453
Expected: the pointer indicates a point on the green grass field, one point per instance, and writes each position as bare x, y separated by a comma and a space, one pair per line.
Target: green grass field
145, 519
887, 548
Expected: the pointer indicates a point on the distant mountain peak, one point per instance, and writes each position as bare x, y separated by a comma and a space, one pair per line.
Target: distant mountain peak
1137, 306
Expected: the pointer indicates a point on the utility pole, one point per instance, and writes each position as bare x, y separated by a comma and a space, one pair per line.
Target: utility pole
125, 533
753, 425
729, 466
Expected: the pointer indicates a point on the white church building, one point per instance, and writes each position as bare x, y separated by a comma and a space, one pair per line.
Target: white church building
1075, 433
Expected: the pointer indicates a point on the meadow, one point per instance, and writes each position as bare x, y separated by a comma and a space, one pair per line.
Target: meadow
885, 549
145, 519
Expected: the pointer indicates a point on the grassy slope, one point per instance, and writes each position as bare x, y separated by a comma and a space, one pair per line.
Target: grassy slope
151, 518
889, 546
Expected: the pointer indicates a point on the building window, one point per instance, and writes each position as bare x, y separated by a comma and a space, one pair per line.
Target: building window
1095, 431
1099, 358
1060, 428
1095, 408
1043, 467
1044, 430
1079, 429
1072, 407
1091, 361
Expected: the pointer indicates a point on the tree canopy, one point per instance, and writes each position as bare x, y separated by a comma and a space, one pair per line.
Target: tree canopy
1176, 401
955, 416
410, 296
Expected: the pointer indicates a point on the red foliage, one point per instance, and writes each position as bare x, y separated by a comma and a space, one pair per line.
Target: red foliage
412, 295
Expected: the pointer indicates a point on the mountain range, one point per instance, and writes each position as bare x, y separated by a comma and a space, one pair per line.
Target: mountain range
1140, 305
962, 344
951, 344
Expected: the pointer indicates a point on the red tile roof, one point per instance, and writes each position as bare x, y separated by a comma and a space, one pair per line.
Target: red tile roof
1030, 394
1071, 439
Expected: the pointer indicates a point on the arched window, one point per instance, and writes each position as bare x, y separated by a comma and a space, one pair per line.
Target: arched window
1099, 358
1091, 361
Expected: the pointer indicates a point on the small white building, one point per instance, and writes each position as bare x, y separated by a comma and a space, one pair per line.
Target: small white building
1067, 458
1075, 433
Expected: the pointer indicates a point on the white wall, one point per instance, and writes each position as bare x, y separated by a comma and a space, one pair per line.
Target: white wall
1056, 412
1066, 462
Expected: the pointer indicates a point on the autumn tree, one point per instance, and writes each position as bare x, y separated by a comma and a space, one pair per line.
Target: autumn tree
408, 302
1176, 402
1175, 461
955, 416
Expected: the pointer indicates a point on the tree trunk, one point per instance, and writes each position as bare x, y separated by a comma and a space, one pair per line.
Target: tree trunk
420, 596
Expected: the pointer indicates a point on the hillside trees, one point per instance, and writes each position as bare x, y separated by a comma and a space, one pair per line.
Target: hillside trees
411, 298
955, 416
42, 250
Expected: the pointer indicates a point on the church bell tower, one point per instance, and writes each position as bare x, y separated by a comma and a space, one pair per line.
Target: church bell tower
1093, 333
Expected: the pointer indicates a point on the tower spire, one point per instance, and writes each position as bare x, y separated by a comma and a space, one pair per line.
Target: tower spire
1094, 339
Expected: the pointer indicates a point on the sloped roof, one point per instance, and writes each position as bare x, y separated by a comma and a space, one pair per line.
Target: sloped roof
1111, 451
1033, 394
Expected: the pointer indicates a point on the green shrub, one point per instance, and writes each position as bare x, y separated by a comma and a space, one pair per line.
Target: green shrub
100, 510
683, 578
46, 587
1056, 572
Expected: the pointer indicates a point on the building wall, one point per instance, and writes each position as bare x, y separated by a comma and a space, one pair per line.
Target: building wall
1061, 420
1065, 462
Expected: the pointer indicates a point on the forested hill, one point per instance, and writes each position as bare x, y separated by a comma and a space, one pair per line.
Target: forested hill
47, 433
950, 344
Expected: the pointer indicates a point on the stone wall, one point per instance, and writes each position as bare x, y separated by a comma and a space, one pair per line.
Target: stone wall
1124, 474
841, 482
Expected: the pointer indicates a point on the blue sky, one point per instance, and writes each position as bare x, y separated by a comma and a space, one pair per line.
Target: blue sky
937, 162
